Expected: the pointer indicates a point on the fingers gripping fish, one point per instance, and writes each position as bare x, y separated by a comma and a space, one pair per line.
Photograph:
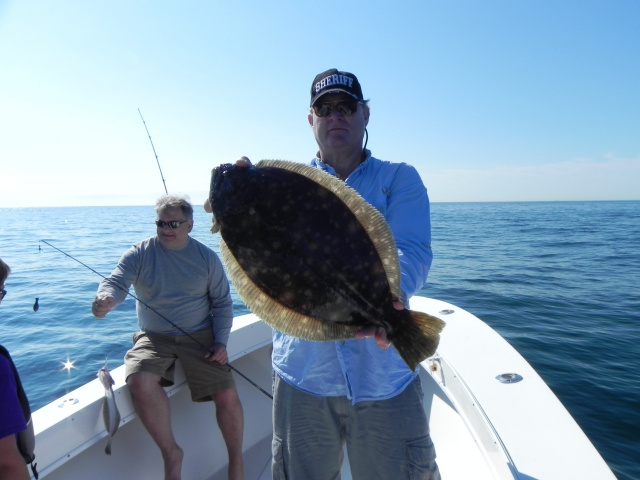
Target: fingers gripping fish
110, 412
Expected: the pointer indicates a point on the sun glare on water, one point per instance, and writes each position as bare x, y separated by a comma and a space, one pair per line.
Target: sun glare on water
68, 365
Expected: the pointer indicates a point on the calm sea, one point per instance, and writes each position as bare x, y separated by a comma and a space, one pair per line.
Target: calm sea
559, 280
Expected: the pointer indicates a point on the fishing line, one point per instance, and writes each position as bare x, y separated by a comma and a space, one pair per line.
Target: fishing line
36, 305
106, 360
202, 345
154, 152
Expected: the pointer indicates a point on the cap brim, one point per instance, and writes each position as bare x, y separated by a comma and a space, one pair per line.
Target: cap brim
335, 90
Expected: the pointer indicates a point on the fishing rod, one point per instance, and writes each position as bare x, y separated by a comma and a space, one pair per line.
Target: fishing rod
162, 316
154, 152
202, 345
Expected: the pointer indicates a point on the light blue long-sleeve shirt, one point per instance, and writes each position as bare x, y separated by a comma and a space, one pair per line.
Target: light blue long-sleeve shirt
359, 369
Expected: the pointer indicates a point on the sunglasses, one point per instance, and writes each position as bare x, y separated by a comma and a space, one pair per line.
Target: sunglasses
345, 108
3, 293
172, 224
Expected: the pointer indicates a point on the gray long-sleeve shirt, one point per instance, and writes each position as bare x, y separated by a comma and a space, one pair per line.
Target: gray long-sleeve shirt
188, 286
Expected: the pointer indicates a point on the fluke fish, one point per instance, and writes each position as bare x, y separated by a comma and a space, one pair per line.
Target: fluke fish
311, 258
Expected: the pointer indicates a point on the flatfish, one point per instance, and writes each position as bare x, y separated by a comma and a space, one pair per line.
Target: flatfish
110, 413
311, 258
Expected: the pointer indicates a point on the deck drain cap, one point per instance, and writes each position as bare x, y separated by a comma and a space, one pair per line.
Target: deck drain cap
509, 378
68, 401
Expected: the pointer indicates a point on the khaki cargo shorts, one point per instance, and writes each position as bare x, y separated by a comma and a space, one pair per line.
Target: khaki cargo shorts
157, 353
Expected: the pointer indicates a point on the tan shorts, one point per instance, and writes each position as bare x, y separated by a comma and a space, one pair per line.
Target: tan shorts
156, 353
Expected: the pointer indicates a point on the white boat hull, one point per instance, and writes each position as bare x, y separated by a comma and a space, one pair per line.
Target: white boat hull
482, 429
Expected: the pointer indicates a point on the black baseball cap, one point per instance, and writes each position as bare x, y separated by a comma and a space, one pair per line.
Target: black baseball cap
335, 81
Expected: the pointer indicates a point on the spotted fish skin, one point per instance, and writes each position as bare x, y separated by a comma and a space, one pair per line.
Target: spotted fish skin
110, 412
311, 258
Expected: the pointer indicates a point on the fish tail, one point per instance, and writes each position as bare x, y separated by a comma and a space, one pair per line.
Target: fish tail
417, 337
107, 449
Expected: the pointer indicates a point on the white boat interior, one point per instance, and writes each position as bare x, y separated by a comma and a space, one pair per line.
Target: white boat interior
491, 416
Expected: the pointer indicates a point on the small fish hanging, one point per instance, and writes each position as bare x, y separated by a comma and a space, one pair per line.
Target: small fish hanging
110, 413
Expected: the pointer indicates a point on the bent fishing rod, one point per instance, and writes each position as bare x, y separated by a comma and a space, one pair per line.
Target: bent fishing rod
202, 345
154, 152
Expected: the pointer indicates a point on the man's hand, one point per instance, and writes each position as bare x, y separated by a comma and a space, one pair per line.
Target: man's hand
217, 353
102, 305
379, 333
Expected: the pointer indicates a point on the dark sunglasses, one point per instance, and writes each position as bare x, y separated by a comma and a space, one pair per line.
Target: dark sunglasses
3, 293
173, 224
345, 108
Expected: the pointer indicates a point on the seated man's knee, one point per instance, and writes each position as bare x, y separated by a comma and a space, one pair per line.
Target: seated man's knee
226, 398
142, 381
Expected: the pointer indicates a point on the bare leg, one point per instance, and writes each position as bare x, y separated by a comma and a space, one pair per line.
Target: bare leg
152, 406
231, 422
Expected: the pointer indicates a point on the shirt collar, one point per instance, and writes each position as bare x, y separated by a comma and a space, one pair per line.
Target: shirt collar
317, 162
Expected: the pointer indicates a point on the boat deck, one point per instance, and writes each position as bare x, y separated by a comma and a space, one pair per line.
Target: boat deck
481, 428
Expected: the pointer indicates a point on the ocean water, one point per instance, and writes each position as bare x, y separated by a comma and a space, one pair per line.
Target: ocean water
559, 280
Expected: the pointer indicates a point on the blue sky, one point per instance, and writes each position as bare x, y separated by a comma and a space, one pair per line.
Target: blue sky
490, 100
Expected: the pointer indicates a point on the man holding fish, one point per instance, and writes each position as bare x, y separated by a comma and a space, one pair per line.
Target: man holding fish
356, 391
342, 390
184, 283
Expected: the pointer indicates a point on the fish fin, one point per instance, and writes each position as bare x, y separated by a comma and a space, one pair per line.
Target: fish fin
368, 216
418, 337
275, 314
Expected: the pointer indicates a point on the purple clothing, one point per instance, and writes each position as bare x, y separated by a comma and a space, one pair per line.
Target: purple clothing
12, 418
